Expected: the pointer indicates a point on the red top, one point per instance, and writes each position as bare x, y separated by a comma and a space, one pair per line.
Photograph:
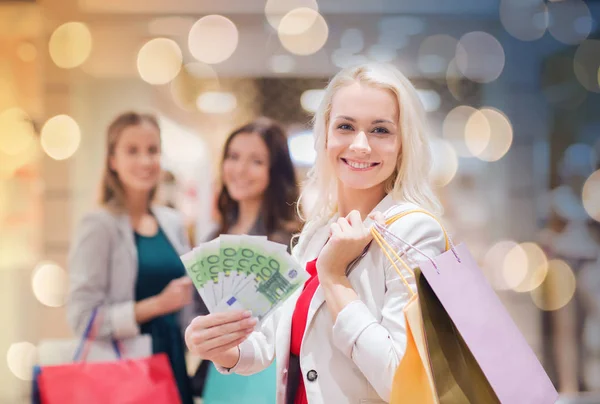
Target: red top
299, 319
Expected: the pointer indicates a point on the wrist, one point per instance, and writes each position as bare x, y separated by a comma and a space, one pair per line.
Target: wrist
157, 305
328, 280
228, 359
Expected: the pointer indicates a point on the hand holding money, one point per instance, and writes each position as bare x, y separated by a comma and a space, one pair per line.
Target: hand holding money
239, 272
214, 337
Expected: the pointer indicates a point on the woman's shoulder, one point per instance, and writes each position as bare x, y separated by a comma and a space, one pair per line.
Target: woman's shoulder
100, 216
415, 224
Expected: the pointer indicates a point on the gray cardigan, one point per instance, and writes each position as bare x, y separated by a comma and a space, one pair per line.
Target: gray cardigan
103, 270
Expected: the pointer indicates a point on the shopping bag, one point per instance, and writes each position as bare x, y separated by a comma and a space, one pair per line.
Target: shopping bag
127, 381
413, 381
122, 381
474, 351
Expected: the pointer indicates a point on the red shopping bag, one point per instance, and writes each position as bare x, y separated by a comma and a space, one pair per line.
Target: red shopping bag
124, 381
128, 381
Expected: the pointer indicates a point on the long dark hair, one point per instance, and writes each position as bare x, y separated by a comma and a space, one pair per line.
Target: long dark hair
278, 206
112, 194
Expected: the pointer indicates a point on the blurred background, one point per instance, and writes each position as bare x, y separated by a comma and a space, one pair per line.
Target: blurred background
511, 87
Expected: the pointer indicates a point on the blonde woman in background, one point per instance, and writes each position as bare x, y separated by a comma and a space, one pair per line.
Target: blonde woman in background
124, 261
341, 338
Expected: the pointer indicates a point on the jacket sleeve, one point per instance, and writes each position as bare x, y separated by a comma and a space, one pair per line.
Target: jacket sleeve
89, 266
376, 347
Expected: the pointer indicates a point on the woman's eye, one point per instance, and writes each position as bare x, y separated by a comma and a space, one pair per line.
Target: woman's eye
380, 130
345, 126
231, 157
259, 162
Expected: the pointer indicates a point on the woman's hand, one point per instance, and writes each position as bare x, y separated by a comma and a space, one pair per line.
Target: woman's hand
176, 295
216, 337
349, 237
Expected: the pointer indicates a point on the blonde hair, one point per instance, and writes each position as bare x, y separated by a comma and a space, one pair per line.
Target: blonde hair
410, 180
112, 194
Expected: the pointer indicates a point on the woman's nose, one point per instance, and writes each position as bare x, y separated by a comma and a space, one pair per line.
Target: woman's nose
360, 143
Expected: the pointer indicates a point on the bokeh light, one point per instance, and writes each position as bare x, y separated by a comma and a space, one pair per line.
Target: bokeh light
302, 148
493, 264
50, 284
454, 81
514, 267
16, 131
159, 61
21, 357
435, 54
478, 133
525, 20
480, 57
493, 145
591, 196
537, 268
213, 39
275, 10
60, 137
570, 21
9, 164
445, 162
310, 99
558, 287
27, 52
430, 99
216, 102
70, 45
586, 65
303, 31
454, 128
579, 159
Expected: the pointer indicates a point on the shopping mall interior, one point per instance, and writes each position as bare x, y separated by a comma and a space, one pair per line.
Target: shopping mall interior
512, 94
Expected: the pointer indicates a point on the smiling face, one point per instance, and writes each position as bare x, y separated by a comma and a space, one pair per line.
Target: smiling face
136, 157
246, 167
363, 139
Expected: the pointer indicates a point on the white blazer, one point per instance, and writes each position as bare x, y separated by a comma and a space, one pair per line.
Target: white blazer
355, 358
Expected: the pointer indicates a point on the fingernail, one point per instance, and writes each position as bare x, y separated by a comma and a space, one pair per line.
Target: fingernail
248, 313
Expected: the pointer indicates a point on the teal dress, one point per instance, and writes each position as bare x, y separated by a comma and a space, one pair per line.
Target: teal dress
159, 264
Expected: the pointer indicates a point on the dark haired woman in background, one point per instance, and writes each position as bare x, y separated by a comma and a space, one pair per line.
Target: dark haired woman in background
124, 261
257, 197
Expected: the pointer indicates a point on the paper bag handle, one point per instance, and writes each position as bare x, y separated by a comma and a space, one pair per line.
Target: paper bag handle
385, 246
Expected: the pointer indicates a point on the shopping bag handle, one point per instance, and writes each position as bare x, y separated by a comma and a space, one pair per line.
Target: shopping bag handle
387, 248
394, 218
89, 336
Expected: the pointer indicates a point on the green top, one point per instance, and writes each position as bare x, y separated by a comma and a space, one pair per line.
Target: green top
159, 264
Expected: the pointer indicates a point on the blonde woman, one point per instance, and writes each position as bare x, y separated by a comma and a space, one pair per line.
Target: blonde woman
341, 338
124, 261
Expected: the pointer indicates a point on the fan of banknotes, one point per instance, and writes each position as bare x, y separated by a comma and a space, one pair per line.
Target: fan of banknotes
243, 272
